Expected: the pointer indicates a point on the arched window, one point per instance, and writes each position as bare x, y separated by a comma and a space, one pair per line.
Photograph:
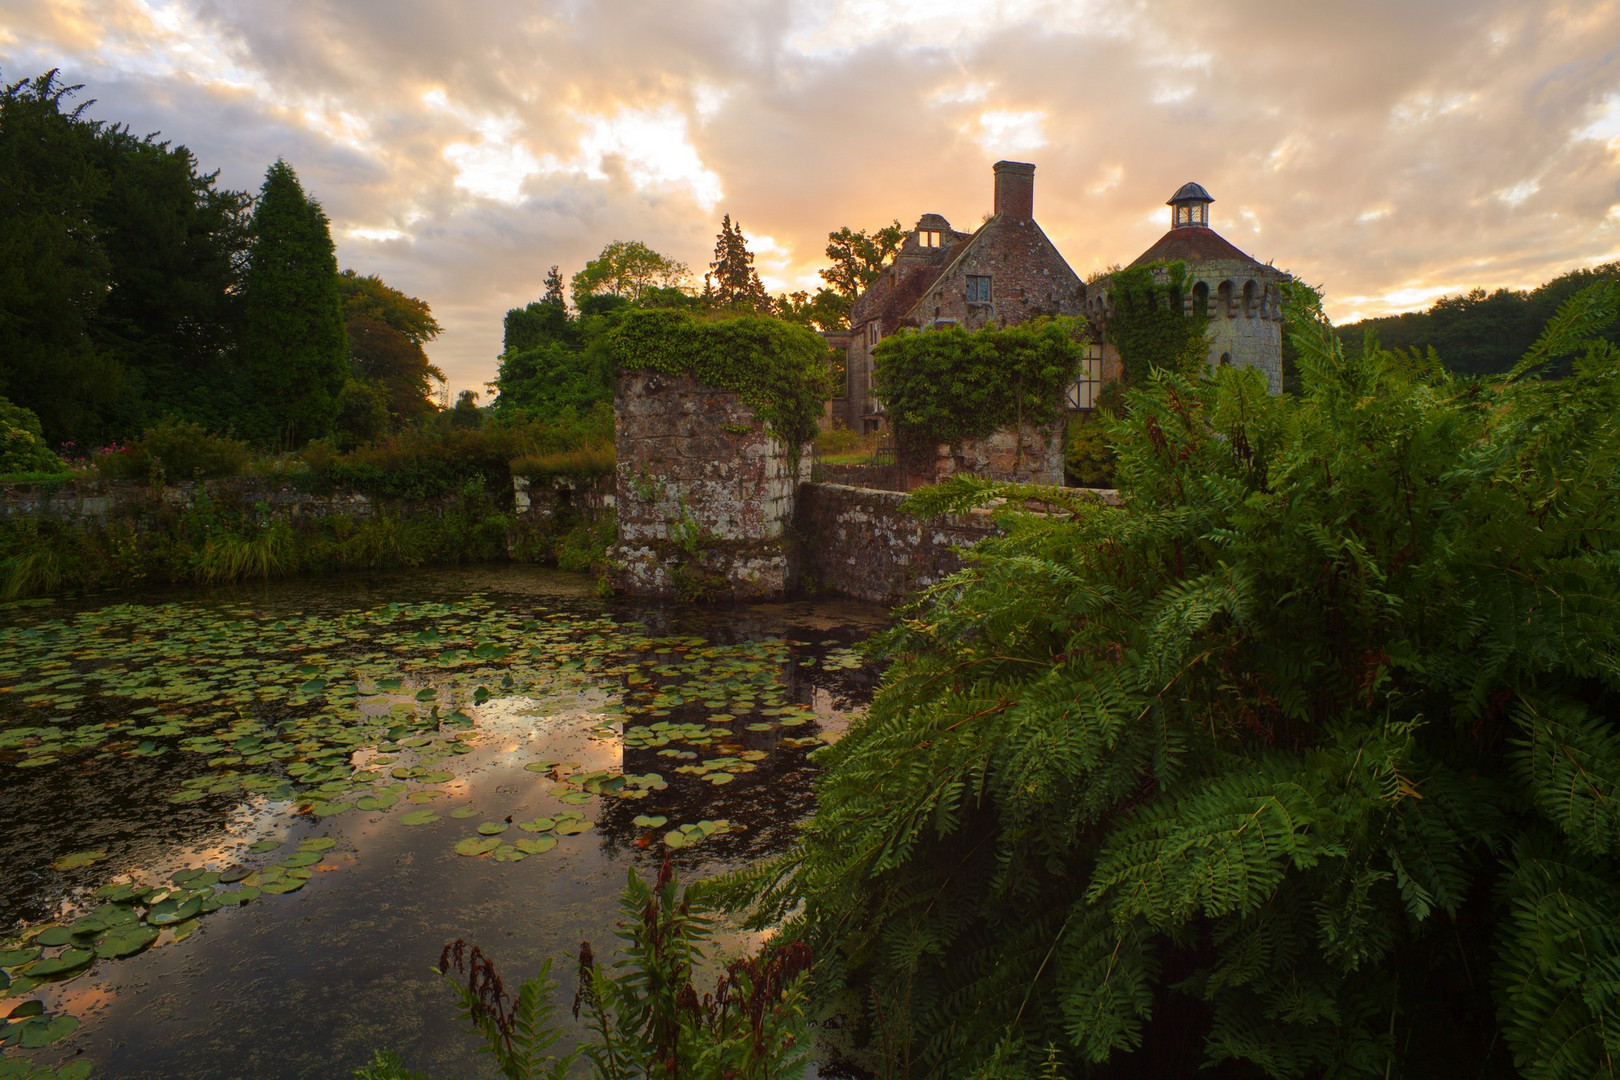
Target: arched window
1200, 295
1225, 295
1249, 300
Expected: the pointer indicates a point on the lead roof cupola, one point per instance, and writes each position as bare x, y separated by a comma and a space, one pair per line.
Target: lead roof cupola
1189, 206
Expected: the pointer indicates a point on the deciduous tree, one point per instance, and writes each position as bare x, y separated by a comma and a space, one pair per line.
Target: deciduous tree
858, 256
625, 268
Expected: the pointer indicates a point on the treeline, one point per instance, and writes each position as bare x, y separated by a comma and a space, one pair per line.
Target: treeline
1479, 332
135, 290
554, 357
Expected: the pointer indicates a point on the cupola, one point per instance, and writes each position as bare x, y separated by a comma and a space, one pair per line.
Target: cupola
1189, 206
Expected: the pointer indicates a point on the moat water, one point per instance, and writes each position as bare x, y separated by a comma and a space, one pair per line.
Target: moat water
240, 824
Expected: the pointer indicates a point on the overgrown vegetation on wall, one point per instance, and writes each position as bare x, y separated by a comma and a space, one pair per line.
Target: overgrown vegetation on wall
1303, 760
1150, 328
779, 370
951, 384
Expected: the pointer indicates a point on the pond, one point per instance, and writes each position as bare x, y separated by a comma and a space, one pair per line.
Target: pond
240, 824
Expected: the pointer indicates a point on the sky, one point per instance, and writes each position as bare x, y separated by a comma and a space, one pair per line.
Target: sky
1388, 151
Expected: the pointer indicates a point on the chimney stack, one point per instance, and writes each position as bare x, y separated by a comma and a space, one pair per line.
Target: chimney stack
1015, 190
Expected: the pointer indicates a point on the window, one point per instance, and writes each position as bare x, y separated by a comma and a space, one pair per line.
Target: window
873, 334
978, 289
1083, 394
928, 238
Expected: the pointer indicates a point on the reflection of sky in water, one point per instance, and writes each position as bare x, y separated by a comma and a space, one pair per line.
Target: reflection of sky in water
310, 983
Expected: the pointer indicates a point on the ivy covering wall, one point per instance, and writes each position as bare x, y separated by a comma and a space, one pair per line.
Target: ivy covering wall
780, 370
1149, 327
951, 384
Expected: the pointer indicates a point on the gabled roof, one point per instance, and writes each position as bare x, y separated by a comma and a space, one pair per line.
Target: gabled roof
1192, 243
917, 279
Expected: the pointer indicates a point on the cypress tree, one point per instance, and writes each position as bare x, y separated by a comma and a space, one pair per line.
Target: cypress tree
732, 281
294, 349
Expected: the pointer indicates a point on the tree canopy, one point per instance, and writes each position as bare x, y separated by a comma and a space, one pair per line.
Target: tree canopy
732, 282
859, 256
294, 344
627, 268
386, 331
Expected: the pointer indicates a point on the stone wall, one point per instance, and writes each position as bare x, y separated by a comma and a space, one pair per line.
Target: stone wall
101, 500
1026, 454
857, 542
704, 495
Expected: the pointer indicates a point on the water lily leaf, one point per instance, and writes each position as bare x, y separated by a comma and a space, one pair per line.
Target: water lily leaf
37, 1034
283, 885
419, 817
427, 693
477, 845
68, 962
539, 824
536, 845
301, 858
125, 941
169, 912
264, 845
719, 778
26, 1009
117, 893
434, 777
573, 828
11, 958
675, 839
77, 859
238, 896
649, 821
493, 828
464, 811
317, 843
508, 853
54, 935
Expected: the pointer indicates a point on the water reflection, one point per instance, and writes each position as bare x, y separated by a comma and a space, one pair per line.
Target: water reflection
307, 984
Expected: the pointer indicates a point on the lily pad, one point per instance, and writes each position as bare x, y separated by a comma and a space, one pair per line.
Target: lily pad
54, 935
169, 912
10, 958
649, 821
283, 885
539, 824
464, 811
493, 828
125, 941
68, 962
77, 859
536, 845
474, 845
419, 817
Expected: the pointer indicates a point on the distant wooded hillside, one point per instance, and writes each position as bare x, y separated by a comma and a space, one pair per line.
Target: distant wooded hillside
1478, 332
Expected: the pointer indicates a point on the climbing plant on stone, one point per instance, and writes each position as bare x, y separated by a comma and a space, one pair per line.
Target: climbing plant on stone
781, 371
951, 384
1148, 326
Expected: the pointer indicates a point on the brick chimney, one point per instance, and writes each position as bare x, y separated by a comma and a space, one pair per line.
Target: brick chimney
1015, 189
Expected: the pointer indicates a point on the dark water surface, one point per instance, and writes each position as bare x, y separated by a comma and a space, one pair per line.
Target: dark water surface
305, 730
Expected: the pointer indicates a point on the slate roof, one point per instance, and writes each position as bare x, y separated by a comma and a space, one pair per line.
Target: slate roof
1189, 192
1192, 243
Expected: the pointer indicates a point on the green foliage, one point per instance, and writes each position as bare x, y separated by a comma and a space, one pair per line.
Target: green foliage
386, 1065
1303, 760
732, 283
176, 451
645, 1015
826, 311
1088, 457
1149, 328
1481, 332
22, 444
626, 269
386, 333
551, 377
780, 370
952, 384
859, 256
295, 348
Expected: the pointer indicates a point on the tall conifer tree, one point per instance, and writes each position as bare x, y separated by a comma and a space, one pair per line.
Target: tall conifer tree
732, 281
295, 347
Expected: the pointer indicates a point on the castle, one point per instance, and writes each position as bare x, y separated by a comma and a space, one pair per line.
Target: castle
1007, 271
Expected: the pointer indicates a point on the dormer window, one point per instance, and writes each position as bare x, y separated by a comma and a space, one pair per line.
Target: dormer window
929, 238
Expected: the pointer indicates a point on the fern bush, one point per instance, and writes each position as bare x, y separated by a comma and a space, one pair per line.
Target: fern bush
1300, 763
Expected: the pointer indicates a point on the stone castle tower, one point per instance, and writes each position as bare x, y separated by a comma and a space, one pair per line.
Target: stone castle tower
1241, 295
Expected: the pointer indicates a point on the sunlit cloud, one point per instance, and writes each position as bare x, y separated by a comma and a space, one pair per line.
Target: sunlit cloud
1519, 192
655, 151
1012, 131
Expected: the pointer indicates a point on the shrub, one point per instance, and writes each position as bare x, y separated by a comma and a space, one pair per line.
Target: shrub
1304, 760
22, 445
173, 450
1088, 458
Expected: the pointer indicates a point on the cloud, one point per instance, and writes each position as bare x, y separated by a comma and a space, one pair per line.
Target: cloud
1389, 151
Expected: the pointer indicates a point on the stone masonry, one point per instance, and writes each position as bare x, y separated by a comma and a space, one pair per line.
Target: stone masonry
704, 495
